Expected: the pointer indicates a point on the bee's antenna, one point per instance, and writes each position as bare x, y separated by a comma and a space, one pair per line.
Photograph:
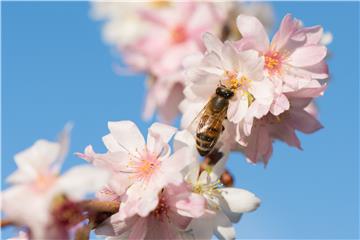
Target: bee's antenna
220, 84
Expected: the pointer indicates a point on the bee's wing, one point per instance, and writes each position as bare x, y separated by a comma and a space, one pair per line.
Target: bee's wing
212, 121
195, 122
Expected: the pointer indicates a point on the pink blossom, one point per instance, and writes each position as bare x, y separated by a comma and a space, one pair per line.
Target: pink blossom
258, 146
37, 183
139, 170
174, 33
294, 59
168, 220
241, 71
224, 205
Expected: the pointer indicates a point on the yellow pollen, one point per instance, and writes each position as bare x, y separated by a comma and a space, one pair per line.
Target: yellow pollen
160, 3
147, 168
271, 63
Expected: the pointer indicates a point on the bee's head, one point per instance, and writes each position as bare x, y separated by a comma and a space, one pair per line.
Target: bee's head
224, 92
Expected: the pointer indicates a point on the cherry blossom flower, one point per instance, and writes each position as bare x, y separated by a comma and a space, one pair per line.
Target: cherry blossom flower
38, 182
224, 205
300, 116
176, 207
242, 72
175, 33
294, 59
123, 24
139, 170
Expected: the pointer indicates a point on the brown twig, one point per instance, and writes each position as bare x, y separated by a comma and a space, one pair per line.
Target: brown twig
6, 223
110, 207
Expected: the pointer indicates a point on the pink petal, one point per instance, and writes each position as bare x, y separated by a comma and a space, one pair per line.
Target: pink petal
169, 110
127, 135
259, 146
150, 105
319, 70
237, 109
107, 194
158, 135
171, 167
112, 161
212, 43
229, 57
250, 27
162, 230
307, 56
139, 229
313, 34
307, 92
184, 202
286, 133
304, 121
287, 27
119, 183
280, 104
179, 221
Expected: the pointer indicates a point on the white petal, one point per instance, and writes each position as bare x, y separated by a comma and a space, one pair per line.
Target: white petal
202, 228
193, 172
183, 139
127, 135
250, 27
80, 180
219, 168
230, 57
224, 229
239, 200
158, 135
212, 43
237, 109
40, 157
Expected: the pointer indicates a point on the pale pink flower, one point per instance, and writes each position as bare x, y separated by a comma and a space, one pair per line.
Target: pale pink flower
224, 205
139, 170
37, 182
258, 146
173, 34
240, 71
176, 207
294, 59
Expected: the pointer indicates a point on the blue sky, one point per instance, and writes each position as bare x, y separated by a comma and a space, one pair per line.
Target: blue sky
55, 68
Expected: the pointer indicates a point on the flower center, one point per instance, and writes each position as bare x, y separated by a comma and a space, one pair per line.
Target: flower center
44, 181
161, 211
273, 62
242, 83
145, 168
211, 192
178, 34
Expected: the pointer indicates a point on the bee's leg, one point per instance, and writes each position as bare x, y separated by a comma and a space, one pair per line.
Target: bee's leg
223, 128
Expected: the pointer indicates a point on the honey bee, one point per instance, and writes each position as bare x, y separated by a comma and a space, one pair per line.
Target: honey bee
210, 120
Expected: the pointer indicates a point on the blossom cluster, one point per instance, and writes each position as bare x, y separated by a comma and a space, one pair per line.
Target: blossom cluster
153, 37
274, 84
157, 187
162, 193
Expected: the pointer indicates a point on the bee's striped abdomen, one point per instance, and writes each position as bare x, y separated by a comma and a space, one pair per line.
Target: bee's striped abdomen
206, 140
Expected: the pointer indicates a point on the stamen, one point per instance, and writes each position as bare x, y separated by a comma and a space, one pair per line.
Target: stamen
178, 34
